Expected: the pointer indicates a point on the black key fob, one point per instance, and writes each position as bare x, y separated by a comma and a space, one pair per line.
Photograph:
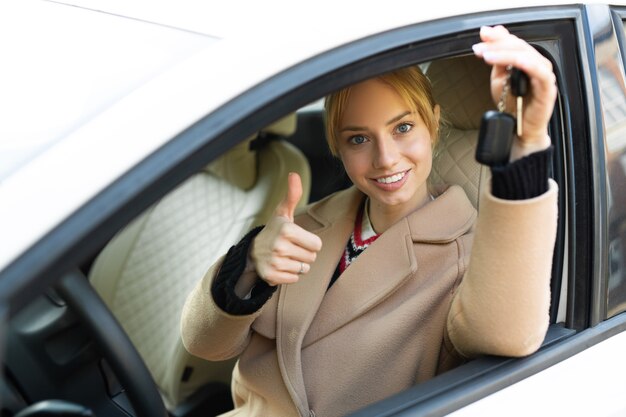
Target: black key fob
519, 82
495, 138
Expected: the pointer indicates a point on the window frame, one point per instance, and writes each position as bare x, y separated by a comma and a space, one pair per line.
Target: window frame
618, 21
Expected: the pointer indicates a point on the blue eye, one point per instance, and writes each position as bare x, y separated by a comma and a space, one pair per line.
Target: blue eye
358, 139
404, 128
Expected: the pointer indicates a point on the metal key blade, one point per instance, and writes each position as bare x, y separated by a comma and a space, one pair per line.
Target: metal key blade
520, 103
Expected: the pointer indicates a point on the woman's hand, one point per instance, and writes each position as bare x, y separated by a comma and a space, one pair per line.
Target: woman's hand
283, 250
499, 48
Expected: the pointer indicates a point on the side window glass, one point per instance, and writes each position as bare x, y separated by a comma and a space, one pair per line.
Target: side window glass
613, 92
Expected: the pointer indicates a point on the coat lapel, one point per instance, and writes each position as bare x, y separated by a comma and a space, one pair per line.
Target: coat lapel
298, 303
390, 261
380, 270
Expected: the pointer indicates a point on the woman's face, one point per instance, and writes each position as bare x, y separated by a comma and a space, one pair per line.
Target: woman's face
385, 148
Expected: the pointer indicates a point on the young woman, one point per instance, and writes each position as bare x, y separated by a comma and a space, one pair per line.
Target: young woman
324, 326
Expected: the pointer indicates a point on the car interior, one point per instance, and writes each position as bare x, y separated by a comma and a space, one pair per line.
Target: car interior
146, 271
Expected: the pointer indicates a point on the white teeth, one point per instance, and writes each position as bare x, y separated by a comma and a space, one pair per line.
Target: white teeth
392, 178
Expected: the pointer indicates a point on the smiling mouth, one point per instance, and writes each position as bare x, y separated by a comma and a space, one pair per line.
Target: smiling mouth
392, 178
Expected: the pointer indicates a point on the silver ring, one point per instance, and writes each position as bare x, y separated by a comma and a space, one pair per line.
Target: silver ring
301, 268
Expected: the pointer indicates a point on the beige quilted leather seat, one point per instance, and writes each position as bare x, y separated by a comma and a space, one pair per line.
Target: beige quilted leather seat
145, 273
461, 87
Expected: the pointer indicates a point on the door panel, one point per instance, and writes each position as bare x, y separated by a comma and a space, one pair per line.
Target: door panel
590, 383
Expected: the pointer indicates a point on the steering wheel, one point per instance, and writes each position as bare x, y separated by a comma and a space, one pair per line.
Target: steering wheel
114, 344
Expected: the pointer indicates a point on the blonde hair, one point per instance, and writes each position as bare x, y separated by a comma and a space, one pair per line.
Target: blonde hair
411, 85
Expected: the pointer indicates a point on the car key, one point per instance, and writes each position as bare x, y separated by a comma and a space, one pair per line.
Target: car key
519, 88
495, 137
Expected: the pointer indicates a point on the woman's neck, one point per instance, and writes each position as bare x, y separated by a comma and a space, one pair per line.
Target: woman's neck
383, 216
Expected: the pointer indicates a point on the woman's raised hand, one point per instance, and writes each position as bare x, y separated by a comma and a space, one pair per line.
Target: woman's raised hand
499, 48
283, 250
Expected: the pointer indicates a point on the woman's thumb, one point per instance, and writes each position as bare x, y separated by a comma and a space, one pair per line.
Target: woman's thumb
287, 207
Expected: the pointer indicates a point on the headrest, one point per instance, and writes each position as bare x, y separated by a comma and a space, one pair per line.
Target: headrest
283, 127
239, 165
461, 86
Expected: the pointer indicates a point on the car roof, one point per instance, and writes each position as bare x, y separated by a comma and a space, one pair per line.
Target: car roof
241, 18
94, 86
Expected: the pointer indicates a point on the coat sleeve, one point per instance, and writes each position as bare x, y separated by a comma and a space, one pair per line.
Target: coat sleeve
208, 331
501, 307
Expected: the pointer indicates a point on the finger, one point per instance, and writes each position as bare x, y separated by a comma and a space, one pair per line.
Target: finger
512, 49
536, 66
296, 252
279, 277
303, 238
507, 49
517, 53
287, 206
492, 33
498, 38
522, 58
490, 36
290, 266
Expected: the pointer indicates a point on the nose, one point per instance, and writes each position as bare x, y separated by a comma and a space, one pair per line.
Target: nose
387, 153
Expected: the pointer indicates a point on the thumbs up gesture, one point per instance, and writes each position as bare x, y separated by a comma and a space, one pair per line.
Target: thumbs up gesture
283, 250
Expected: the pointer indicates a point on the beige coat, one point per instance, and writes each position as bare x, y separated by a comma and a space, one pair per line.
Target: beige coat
399, 315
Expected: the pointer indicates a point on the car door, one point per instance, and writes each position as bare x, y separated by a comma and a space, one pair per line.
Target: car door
579, 369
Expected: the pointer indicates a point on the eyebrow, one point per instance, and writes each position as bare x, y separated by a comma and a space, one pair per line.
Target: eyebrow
360, 128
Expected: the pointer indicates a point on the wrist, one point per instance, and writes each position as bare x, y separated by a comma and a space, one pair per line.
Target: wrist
525, 147
250, 264
244, 286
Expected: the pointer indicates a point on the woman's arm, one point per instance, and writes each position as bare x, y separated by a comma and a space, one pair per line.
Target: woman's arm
218, 313
207, 330
502, 305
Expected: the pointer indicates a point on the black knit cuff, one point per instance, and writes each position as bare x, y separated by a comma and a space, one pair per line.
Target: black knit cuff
223, 289
522, 179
